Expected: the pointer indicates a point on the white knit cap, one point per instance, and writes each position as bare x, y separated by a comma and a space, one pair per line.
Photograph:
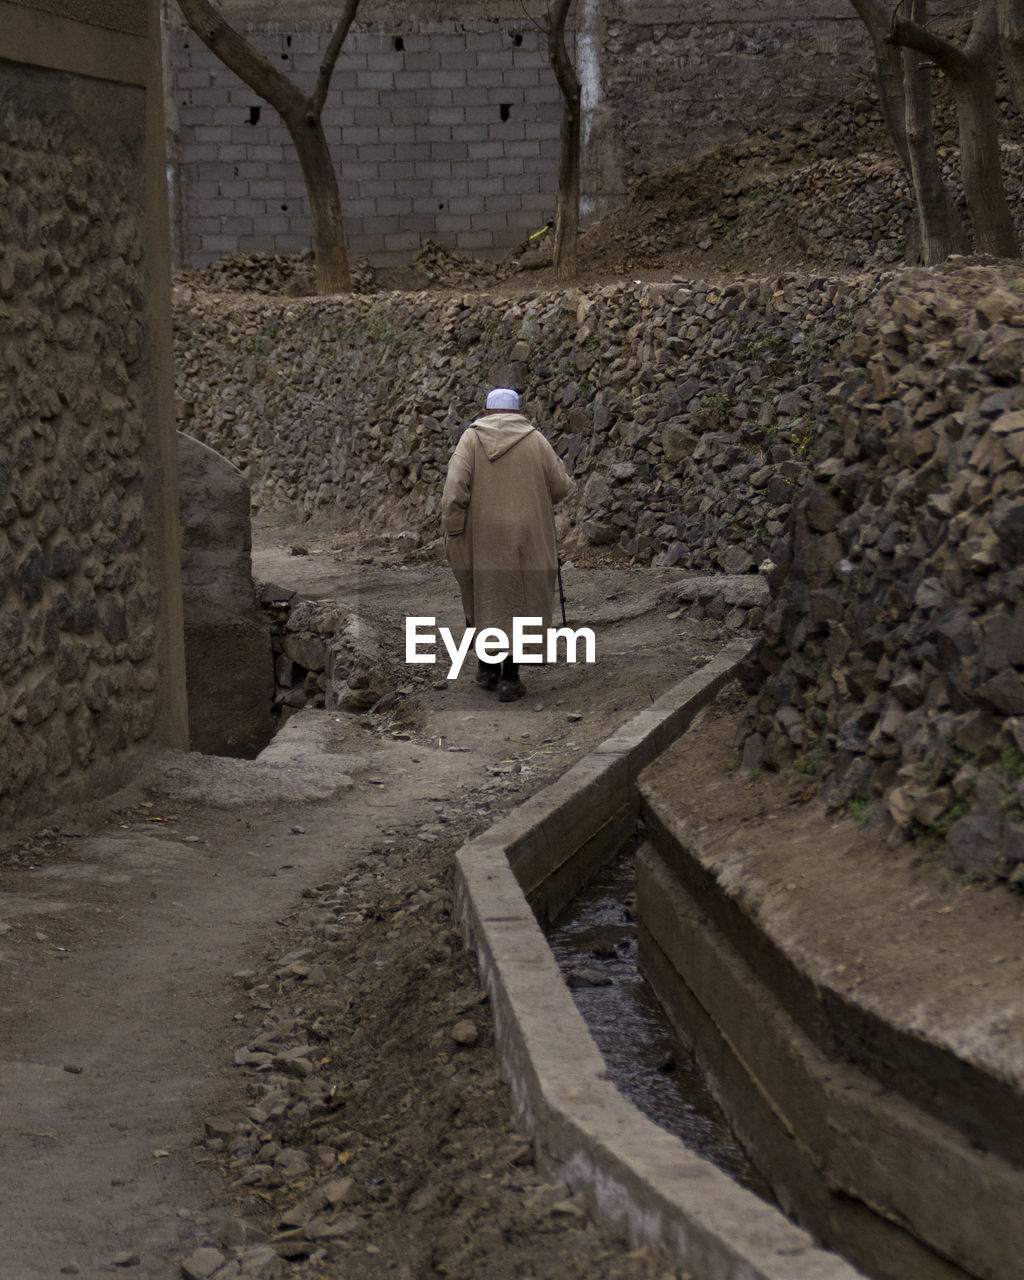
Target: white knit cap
503, 398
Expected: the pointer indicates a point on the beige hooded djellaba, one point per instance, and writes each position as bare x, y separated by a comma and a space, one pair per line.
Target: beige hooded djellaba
498, 512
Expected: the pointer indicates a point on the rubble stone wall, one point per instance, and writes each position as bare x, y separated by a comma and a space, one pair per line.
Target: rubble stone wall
893, 662
685, 410
89, 668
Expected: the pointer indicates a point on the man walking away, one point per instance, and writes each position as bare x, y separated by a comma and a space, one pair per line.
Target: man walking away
497, 507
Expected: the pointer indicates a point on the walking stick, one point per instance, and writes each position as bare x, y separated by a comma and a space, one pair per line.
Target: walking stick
561, 593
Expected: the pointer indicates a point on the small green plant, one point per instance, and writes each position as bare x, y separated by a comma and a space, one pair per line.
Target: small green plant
381, 330
718, 405
846, 321
1011, 762
803, 440
861, 810
810, 762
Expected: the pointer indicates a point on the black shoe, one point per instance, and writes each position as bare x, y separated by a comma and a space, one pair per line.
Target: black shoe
487, 679
510, 690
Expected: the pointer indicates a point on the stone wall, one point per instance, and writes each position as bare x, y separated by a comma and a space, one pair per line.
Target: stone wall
894, 649
685, 410
90, 662
862, 439
444, 121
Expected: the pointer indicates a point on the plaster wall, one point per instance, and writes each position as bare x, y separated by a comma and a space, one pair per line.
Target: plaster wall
91, 653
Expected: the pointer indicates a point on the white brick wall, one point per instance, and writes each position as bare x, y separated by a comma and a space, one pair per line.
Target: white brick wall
418, 134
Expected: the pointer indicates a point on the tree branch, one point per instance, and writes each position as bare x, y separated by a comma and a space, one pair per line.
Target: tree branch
565, 72
873, 16
947, 56
323, 80
239, 55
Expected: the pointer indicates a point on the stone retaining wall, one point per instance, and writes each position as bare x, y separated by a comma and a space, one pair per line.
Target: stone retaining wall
894, 648
685, 411
90, 645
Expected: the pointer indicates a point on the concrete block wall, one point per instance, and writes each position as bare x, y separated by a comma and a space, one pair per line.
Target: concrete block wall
444, 120
449, 135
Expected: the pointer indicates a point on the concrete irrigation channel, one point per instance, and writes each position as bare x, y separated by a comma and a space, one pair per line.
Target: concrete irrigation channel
524, 869
856, 1157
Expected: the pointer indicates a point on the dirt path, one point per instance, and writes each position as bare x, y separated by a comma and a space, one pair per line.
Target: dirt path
321, 875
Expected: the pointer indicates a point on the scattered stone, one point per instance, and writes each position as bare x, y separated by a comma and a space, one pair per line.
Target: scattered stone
586, 977
465, 1032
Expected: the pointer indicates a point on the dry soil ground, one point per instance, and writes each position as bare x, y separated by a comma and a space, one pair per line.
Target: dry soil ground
298, 909
235, 1007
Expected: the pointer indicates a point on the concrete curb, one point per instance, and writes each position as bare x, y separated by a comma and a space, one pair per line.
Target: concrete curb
636, 1177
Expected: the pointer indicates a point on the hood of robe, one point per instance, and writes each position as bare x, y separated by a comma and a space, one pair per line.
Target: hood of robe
499, 432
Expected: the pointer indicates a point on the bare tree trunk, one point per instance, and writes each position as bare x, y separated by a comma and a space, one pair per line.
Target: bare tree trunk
1011, 41
889, 78
941, 230
332, 272
302, 116
983, 181
905, 96
567, 225
971, 73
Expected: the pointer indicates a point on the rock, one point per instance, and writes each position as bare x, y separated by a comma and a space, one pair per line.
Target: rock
587, 977
753, 753
977, 844
261, 1263
1003, 693
201, 1264
465, 1032
292, 1163
220, 1127
737, 560
338, 1191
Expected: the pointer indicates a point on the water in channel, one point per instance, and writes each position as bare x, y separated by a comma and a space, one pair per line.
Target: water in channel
595, 944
